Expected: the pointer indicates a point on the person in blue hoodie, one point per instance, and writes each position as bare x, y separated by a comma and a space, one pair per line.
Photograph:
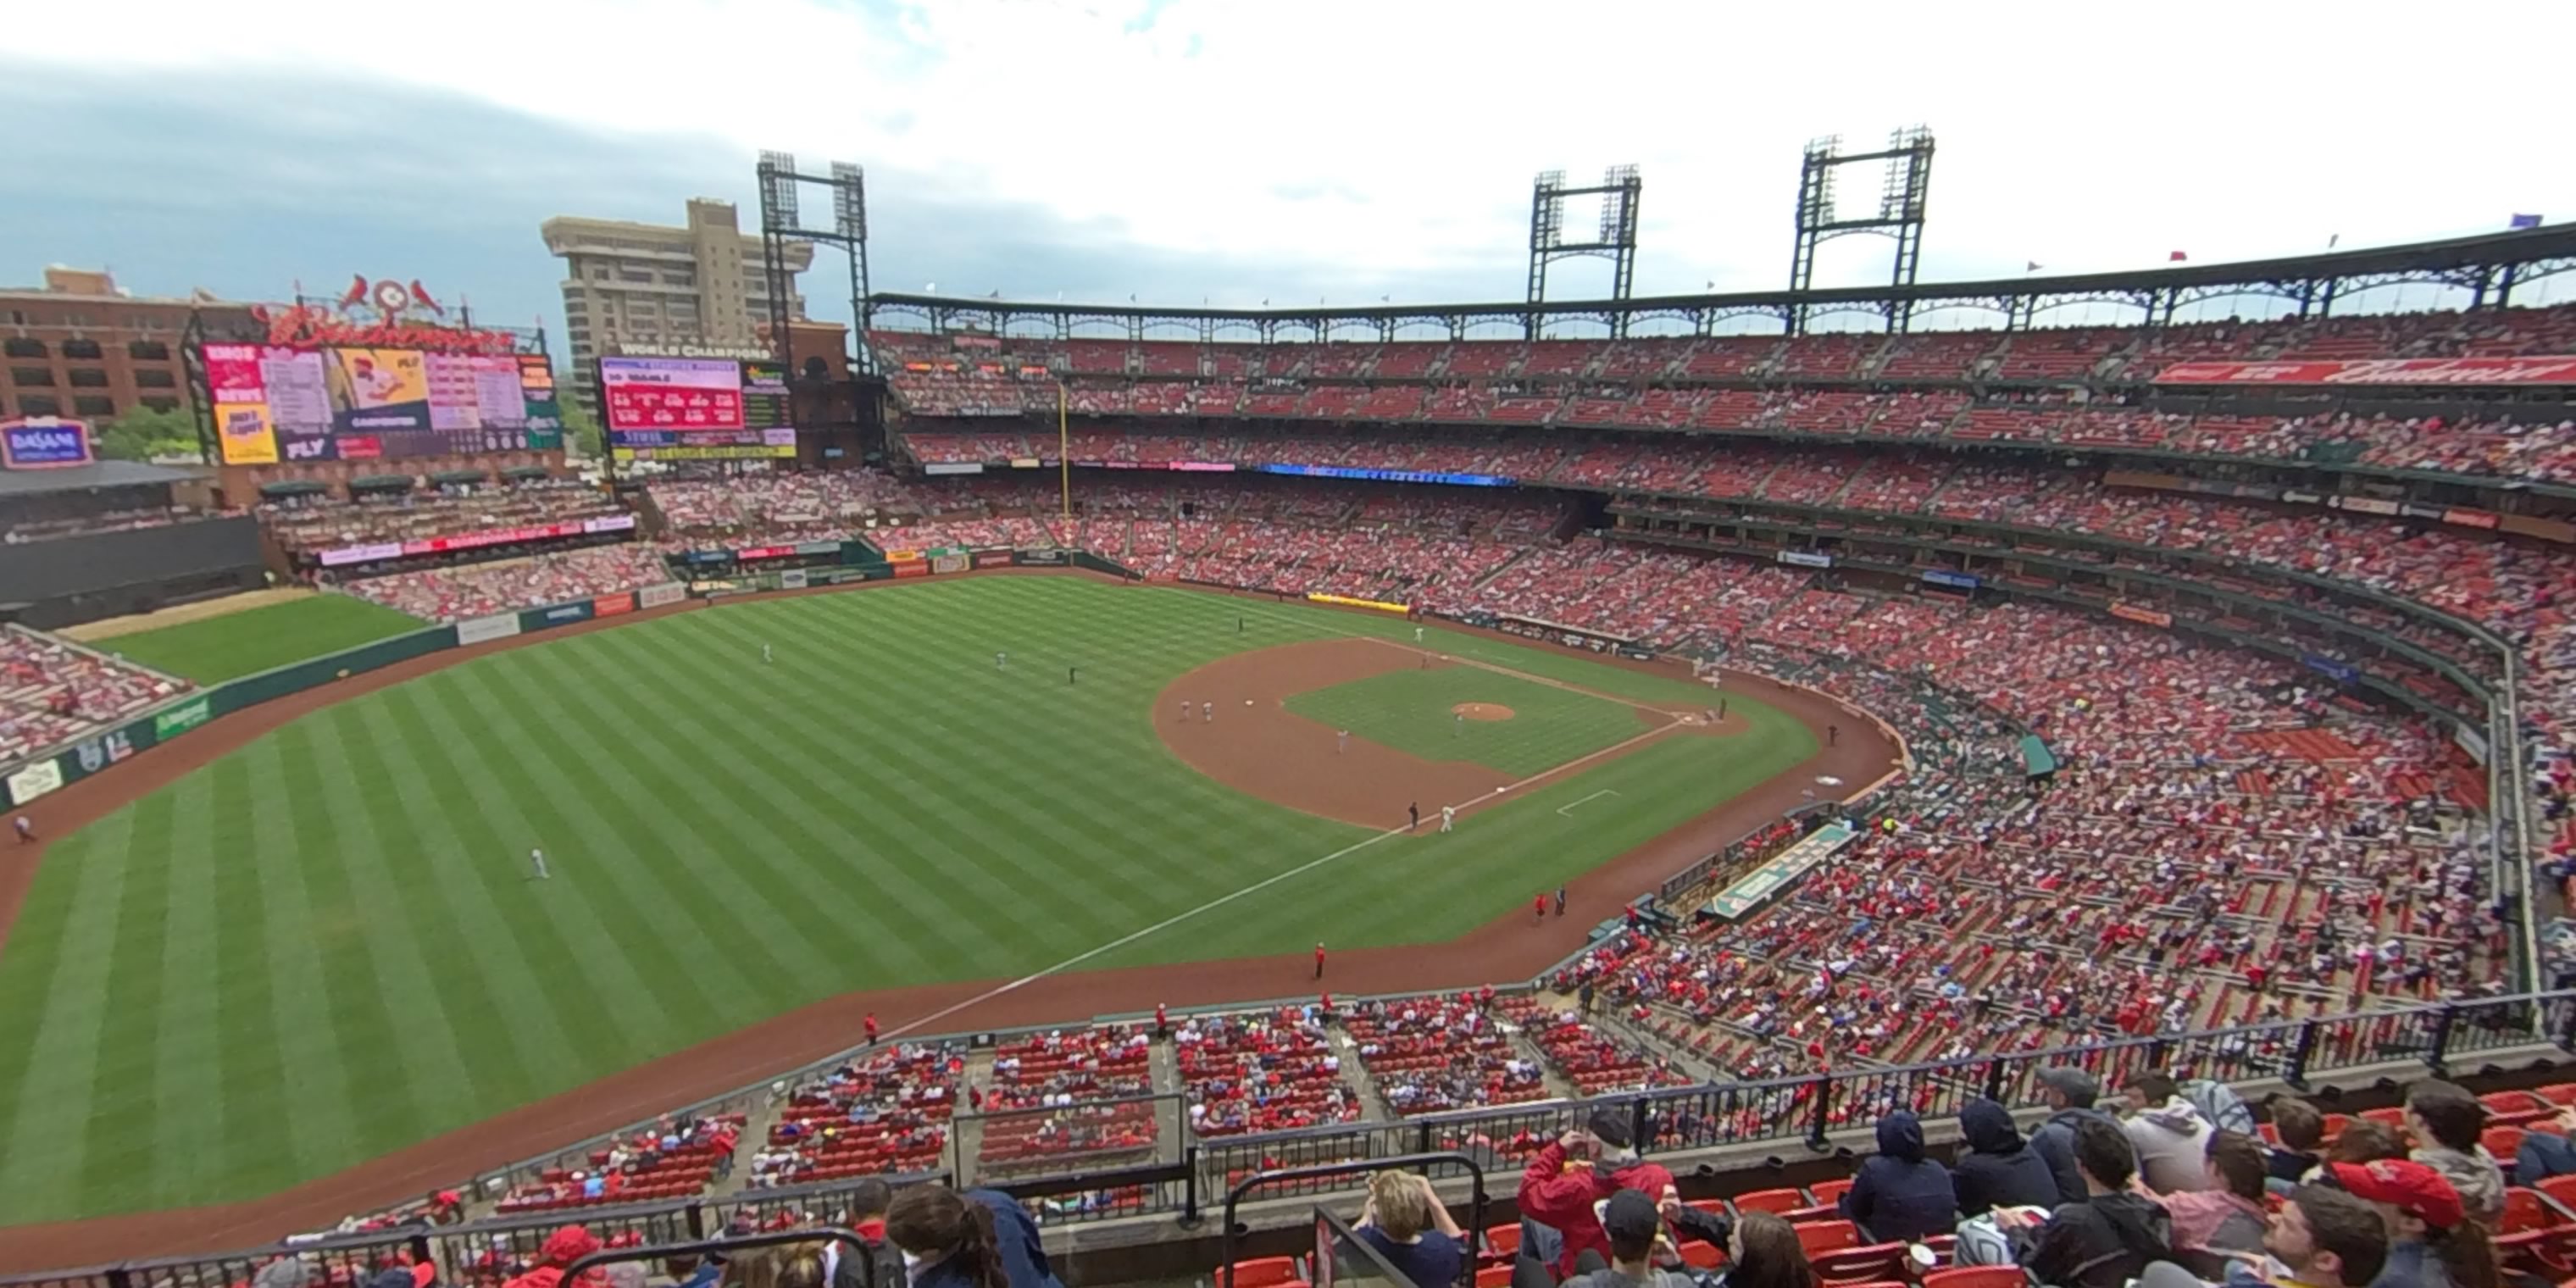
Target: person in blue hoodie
2000, 1170
978, 1239
1901, 1196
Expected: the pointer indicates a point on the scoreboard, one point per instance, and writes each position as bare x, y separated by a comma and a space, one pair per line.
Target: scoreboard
703, 409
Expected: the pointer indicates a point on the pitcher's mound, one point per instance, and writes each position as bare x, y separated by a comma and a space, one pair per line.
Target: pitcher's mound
1483, 710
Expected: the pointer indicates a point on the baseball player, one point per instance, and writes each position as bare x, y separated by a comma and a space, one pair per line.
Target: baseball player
1458, 724
1319, 959
1448, 818
26, 830
1001, 661
1560, 901
538, 859
1538, 907
1833, 734
1207, 713
1417, 634
1341, 741
1185, 711
1413, 813
765, 657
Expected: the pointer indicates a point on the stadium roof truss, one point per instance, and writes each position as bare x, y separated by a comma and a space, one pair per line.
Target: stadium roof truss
2490, 267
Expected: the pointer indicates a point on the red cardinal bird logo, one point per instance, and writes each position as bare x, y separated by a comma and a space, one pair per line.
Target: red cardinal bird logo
357, 292
420, 296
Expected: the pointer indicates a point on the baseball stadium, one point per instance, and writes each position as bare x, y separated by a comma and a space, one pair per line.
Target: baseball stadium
1167, 770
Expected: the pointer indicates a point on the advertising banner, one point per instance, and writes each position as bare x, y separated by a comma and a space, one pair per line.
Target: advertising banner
2363, 505
669, 592
1392, 476
910, 568
475, 540
2487, 519
902, 556
377, 391
484, 630
2144, 616
1954, 580
1806, 559
537, 619
95, 754
360, 554
1024, 462
953, 467
1212, 467
244, 434
792, 579
1380, 605
182, 718
1043, 558
43, 443
818, 547
2330, 668
35, 780
947, 563
671, 393
2556, 370
992, 558
612, 605
723, 452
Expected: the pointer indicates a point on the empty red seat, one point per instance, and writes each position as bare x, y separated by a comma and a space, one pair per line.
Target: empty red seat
1262, 1272
1772, 1201
1977, 1277
1820, 1237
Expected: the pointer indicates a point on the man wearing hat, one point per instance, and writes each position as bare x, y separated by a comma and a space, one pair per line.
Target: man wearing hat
1579, 1169
2430, 1237
1633, 1225
2069, 1093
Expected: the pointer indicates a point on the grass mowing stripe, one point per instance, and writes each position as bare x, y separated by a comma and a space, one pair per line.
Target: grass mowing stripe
189, 1039
246, 643
59, 1039
320, 1122
122, 1132
428, 1039
575, 949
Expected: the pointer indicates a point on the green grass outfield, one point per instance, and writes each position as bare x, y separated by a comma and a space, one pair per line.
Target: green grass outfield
1411, 712
260, 639
325, 945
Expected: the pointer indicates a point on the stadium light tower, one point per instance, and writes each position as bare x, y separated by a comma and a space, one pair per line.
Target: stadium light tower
781, 222
1616, 240
1901, 202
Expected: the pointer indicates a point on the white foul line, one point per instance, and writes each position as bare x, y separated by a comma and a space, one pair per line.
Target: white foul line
1593, 797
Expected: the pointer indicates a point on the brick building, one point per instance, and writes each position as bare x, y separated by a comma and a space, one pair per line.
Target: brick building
77, 346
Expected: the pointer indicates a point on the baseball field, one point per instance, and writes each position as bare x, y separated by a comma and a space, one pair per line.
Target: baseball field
329, 943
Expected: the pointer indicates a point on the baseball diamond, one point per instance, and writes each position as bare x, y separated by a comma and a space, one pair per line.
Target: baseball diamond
293, 953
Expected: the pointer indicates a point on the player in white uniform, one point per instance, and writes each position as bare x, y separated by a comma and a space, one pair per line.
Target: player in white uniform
765, 658
1417, 634
1207, 712
1341, 741
1001, 661
1448, 818
538, 857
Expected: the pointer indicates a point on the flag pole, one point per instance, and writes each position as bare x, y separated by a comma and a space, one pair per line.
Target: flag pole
1063, 455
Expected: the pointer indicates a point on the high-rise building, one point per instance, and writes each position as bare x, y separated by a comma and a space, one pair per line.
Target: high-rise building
629, 284
79, 346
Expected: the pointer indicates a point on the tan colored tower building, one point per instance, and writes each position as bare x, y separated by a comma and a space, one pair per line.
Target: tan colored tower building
628, 284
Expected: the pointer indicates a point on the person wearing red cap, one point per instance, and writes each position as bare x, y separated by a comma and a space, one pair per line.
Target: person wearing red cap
2431, 1240
565, 1246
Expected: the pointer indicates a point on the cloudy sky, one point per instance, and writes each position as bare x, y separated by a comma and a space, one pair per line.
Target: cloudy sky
1236, 150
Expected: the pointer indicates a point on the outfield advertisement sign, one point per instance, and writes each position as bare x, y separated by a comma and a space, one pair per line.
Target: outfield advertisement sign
792, 579
669, 592
612, 605
953, 467
36, 780
1049, 558
992, 558
484, 630
1806, 559
182, 718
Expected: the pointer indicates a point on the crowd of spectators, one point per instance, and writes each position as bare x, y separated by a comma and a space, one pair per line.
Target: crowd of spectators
676, 1157
371, 516
1260, 1072
481, 589
774, 507
1061, 1095
53, 691
887, 1111
1432, 1054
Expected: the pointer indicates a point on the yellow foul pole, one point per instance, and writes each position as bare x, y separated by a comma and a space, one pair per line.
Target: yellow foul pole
1063, 454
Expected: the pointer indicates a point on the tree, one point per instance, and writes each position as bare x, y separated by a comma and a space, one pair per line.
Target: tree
581, 430
143, 434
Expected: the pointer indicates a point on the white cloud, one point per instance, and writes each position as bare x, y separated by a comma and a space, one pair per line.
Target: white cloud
2083, 137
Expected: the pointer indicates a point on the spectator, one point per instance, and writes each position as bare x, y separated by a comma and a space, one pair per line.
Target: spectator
789, 1265
1632, 1225
2547, 1153
1900, 1195
2168, 1132
978, 1239
2322, 1238
2000, 1169
2303, 1132
1765, 1253
1582, 1168
2365, 1141
2102, 1241
2069, 1093
2432, 1243
877, 1264
2228, 1215
1409, 1226
2448, 1120
565, 1246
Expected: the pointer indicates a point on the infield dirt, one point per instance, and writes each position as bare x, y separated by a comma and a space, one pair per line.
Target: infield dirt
1505, 949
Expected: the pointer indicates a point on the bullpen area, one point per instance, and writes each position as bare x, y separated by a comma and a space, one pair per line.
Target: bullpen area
278, 955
